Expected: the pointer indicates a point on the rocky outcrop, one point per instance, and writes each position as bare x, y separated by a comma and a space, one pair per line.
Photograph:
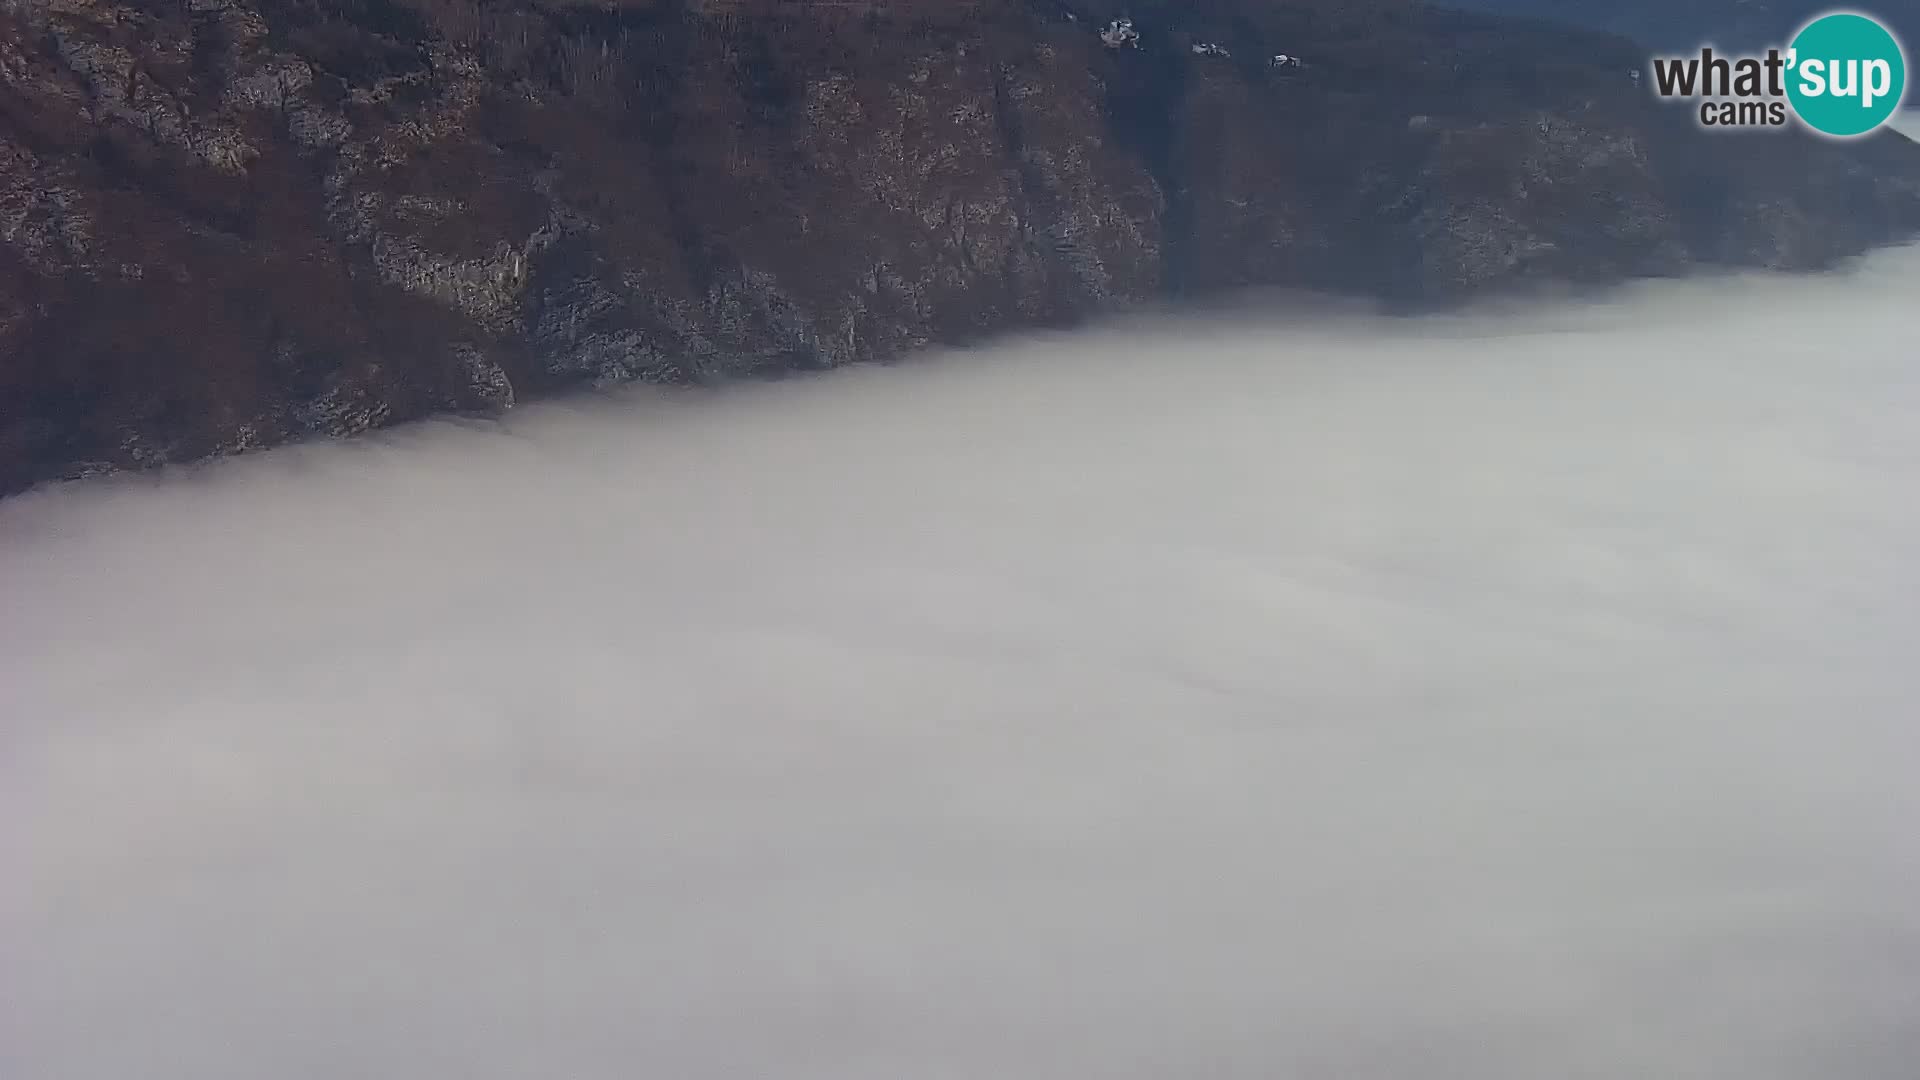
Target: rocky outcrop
230, 223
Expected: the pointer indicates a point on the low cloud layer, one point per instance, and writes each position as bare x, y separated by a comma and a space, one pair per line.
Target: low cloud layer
1521, 694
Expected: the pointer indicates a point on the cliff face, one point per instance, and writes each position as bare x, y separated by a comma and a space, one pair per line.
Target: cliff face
229, 223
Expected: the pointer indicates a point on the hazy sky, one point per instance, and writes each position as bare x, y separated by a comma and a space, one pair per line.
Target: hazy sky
1518, 695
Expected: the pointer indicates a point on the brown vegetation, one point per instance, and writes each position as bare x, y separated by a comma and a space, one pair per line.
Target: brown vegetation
244, 221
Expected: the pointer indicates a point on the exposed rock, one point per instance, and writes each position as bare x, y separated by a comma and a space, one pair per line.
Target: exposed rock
229, 223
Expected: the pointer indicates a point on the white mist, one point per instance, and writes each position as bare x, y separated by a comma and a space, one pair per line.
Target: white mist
1510, 695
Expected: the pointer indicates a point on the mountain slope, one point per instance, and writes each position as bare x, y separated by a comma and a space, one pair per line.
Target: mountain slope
1685, 25
230, 223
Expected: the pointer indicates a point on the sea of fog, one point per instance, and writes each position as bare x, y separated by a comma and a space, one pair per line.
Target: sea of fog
1530, 693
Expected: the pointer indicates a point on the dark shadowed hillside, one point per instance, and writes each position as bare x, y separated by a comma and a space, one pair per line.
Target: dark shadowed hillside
230, 223
1688, 24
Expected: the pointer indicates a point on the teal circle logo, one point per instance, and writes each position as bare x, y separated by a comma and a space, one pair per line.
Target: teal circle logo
1846, 75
